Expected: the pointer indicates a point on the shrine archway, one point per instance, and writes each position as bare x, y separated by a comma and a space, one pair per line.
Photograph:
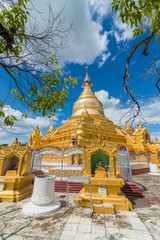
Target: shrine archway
97, 158
15, 160
104, 149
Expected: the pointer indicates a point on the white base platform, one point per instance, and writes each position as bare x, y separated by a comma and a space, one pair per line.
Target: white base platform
158, 174
33, 210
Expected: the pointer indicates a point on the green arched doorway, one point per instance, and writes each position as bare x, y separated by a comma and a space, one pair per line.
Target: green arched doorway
99, 156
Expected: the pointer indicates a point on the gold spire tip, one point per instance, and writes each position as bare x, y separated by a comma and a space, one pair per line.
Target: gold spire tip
86, 70
87, 81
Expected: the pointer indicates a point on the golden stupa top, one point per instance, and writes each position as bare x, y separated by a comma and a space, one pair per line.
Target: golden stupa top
88, 100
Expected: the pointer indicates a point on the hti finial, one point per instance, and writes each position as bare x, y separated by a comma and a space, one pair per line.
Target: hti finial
86, 69
87, 81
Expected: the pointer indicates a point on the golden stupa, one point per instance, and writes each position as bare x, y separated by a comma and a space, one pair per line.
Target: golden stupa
87, 124
89, 129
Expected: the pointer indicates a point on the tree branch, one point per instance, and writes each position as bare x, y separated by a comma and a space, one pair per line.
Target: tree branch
126, 76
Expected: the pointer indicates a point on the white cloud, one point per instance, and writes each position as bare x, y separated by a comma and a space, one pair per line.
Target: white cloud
155, 135
10, 111
121, 31
115, 56
23, 127
63, 121
103, 97
101, 8
110, 105
150, 111
87, 39
104, 58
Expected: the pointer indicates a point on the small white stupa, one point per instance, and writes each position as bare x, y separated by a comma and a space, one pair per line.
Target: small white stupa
43, 199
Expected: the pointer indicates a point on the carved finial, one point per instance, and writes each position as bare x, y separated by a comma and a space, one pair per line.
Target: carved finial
129, 129
139, 122
37, 126
127, 124
51, 129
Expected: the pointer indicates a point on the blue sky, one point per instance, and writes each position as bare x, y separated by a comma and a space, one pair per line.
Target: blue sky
102, 42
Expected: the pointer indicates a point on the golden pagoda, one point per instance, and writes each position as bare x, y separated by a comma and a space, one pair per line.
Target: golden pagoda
87, 124
89, 129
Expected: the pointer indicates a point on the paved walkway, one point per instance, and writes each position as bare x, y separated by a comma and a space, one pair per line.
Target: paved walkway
148, 208
123, 225
74, 224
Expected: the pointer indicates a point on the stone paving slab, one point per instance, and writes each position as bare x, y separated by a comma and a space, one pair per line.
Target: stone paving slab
75, 224
123, 225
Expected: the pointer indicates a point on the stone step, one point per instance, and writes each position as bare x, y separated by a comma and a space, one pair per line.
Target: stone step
61, 186
135, 194
129, 189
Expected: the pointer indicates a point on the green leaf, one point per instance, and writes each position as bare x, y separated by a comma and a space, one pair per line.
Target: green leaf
24, 115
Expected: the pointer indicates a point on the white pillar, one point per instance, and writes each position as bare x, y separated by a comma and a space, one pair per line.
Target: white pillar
43, 191
43, 200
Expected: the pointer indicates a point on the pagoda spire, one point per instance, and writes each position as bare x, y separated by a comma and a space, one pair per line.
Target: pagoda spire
129, 129
51, 129
139, 125
87, 81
